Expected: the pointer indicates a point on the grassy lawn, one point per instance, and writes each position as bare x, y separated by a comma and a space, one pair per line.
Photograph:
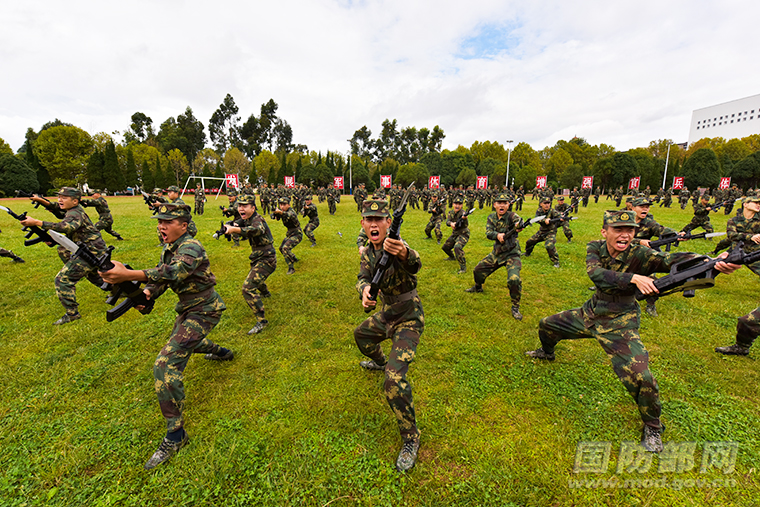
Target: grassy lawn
293, 420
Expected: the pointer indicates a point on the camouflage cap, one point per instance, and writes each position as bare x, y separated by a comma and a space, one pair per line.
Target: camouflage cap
545, 200
94, 191
70, 192
624, 218
158, 190
641, 201
246, 199
173, 188
284, 200
629, 198
751, 198
168, 211
231, 191
458, 200
502, 197
375, 208
560, 197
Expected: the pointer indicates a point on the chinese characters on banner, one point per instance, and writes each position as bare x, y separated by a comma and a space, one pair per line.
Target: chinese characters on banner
482, 182
232, 180
290, 181
434, 182
338, 182
541, 181
588, 182
725, 183
677, 182
634, 182
385, 181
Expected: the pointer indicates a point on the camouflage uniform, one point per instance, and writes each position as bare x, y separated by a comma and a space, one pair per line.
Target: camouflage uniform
310, 210
505, 254
331, 200
192, 229
184, 268
563, 208
547, 233
293, 236
458, 239
739, 228
200, 199
436, 209
401, 319
76, 225
701, 219
263, 262
105, 220
612, 316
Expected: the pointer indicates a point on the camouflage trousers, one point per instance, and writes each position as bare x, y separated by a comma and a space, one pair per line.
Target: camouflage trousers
107, 226
629, 357
434, 223
748, 328
550, 238
292, 238
331, 206
67, 278
567, 230
255, 285
705, 224
188, 337
198, 207
309, 230
404, 329
457, 243
513, 264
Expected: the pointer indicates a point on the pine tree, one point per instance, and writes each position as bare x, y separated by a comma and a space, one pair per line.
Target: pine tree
112, 175
148, 181
131, 174
95, 170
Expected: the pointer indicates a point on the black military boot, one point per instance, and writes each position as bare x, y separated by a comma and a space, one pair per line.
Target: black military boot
540, 354
462, 268
67, 317
15, 257
408, 455
475, 288
165, 451
651, 438
259, 327
516, 312
733, 350
373, 365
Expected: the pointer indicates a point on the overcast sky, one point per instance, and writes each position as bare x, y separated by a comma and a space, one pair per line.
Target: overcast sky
620, 73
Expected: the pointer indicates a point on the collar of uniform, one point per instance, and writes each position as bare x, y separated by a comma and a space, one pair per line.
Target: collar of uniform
174, 246
622, 257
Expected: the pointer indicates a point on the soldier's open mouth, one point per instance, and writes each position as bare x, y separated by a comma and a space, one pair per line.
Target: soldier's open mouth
374, 234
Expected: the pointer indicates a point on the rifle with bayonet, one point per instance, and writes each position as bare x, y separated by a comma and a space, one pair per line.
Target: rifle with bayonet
40, 235
227, 211
221, 231
460, 221
52, 208
131, 290
697, 273
563, 217
394, 232
674, 239
149, 200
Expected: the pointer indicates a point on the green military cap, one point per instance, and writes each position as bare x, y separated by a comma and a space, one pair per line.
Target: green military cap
173, 188
70, 192
502, 197
560, 197
158, 190
95, 191
168, 211
751, 198
375, 208
629, 198
284, 200
641, 201
231, 191
620, 219
246, 199
458, 200
545, 200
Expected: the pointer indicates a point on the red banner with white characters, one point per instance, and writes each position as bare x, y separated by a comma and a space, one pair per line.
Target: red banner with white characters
677, 182
541, 181
482, 182
634, 182
434, 182
290, 181
725, 183
588, 182
232, 180
385, 180
338, 182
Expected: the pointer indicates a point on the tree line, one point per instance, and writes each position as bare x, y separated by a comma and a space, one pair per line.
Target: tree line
262, 149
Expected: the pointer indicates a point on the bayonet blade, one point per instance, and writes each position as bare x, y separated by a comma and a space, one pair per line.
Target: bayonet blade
537, 219
64, 241
714, 234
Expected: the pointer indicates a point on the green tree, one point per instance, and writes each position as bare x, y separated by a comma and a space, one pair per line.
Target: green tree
148, 182
140, 130
746, 172
267, 165
112, 173
95, 170
224, 126
64, 151
701, 169
466, 177
159, 175
130, 175
5, 148
454, 162
16, 175
179, 166
489, 166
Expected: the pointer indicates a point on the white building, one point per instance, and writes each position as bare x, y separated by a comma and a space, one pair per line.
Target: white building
730, 120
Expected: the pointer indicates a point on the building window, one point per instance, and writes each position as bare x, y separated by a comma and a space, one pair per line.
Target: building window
732, 121
733, 115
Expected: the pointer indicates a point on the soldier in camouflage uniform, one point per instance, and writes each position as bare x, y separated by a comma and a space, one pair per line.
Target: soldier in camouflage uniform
293, 236
459, 236
76, 225
401, 319
547, 232
200, 199
437, 210
612, 315
105, 220
505, 253
701, 216
597, 193
185, 269
232, 212
254, 228
667, 198
618, 196
564, 209
310, 210
332, 197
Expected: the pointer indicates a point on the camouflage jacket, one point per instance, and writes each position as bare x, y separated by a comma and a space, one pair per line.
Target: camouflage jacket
612, 276
648, 228
496, 226
309, 210
701, 213
100, 205
551, 214
739, 228
437, 210
290, 220
256, 231
77, 226
454, 216
185, 269
399, 278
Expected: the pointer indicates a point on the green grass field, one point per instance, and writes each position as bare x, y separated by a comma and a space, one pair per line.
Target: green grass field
293, 420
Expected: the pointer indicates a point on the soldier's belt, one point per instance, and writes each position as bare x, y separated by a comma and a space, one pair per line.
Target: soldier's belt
262, 248
406, 296
609, 298
187, 296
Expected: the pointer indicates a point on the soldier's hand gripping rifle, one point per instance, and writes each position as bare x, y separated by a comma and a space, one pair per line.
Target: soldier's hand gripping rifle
223, 231
394, 232
34, 234
460, 221
149, 200
52, 208
226, 211
562, 218
697, 273
667, 241
131, 290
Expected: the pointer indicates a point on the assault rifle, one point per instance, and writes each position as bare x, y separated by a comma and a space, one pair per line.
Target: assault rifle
697, 273
221, 231
522, 226
40, 235
563, 218
394, 232
52, 208
718, 205
675, 238
226, 211
131, 290
149, 200
460, 221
